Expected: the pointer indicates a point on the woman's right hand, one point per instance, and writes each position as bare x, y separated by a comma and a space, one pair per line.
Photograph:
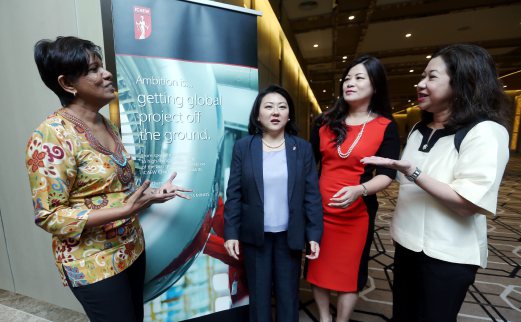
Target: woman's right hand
232, 247
403, 166
134, 203
140, 200
145, 196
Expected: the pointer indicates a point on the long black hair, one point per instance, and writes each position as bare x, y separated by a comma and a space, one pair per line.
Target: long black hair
477, 91
380, 103
67, 56
255, 127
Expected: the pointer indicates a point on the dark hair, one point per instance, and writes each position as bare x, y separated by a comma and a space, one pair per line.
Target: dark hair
254, 126
477, 91
380, 103
67, 56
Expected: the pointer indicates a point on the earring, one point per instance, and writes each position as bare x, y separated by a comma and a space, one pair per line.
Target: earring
74, 93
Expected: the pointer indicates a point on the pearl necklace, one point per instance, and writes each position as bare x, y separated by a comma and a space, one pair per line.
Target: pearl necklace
346, 155
273, 147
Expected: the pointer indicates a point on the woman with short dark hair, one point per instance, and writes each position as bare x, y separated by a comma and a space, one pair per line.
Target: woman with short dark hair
82, 183
449, 182
273, 207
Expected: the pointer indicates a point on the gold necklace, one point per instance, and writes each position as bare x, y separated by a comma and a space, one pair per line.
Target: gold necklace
273, 147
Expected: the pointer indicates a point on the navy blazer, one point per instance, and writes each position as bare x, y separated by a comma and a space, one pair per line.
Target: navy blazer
244, 207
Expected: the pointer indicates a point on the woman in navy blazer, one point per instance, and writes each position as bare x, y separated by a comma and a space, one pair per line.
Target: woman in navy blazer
273, 206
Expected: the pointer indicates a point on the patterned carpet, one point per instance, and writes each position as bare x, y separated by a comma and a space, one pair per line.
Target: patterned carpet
496, 293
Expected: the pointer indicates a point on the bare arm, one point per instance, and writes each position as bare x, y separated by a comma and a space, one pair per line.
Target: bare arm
439, 190
348, 194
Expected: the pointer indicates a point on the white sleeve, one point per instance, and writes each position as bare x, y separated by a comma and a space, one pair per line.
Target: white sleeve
482, 160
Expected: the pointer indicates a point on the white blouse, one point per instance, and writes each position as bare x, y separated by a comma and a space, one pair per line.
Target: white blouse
421, 222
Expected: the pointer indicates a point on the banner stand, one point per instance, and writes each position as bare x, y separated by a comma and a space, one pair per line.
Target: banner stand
187, 77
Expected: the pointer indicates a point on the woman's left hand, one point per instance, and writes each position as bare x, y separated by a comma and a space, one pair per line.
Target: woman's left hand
345, 196
314, 248
170, 187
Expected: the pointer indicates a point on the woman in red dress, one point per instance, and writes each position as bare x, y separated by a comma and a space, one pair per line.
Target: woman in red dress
359, 125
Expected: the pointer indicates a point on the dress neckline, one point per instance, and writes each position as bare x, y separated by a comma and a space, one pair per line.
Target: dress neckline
362, 124
124, 171
93, 141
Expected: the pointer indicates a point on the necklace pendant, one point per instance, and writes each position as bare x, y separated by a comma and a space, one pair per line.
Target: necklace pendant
425, 146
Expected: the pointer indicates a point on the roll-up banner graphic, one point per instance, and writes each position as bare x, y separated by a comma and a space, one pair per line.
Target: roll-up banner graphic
187, 78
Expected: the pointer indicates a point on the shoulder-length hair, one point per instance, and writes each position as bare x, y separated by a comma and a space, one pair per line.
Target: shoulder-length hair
477, 91
255, 127
380, 103
67, 56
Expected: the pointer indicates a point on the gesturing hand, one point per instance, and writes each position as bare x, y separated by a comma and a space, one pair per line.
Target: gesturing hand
145, 196
403, 166
170, 187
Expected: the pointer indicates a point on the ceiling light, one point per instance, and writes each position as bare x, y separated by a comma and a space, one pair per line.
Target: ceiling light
415, 85
308, 4
408, 35
344, 57
323, 91
351, 17
428, 56
409, 101
504, 86
343, 61
411, 70
315, 45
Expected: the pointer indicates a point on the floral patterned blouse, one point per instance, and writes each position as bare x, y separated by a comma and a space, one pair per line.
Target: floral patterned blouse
71, 174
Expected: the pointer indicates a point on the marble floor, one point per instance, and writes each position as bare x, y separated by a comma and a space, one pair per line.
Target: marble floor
495, 295
18, 308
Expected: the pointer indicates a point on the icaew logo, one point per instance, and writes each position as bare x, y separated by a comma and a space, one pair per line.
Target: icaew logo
142, 22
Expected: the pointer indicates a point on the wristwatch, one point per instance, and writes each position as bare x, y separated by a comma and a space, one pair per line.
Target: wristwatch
414, 175
364, 191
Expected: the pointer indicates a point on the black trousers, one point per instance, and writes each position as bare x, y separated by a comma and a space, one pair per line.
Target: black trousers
116, 299
427, 289
273, 266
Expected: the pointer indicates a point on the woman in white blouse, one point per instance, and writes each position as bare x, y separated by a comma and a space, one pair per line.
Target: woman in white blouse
439, 225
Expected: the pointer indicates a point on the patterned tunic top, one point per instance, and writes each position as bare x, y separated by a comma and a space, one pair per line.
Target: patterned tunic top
71, 174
